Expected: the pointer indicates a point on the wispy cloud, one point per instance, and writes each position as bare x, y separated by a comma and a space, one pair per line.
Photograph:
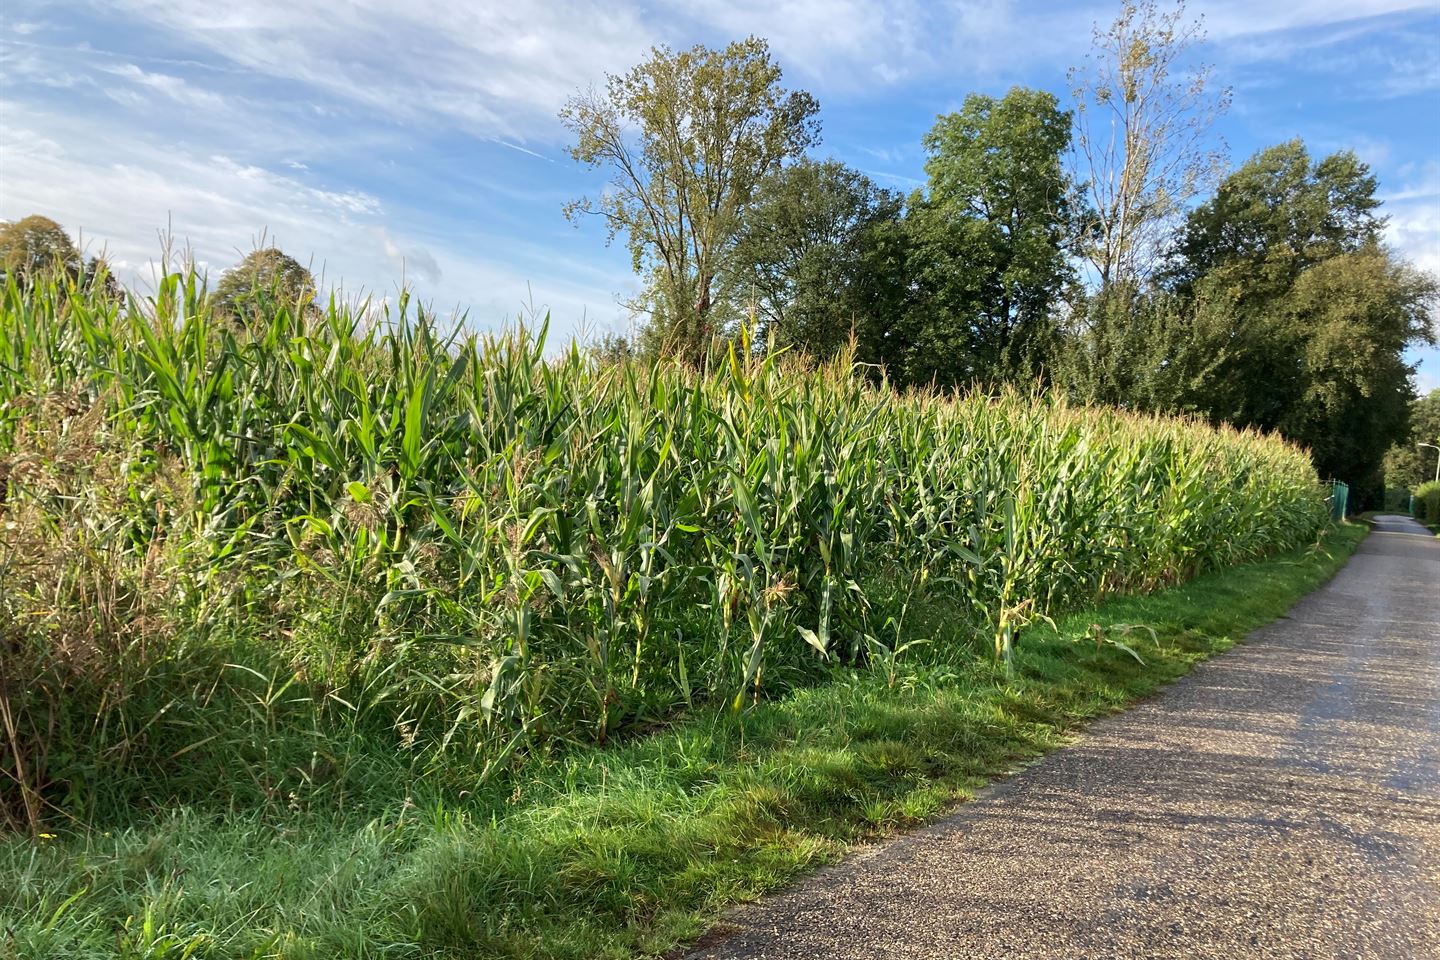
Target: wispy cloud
502, 70
494, 69
1365, 44
1226, 19
169, 87
115, 191
1414, 212
412, 261
424, 133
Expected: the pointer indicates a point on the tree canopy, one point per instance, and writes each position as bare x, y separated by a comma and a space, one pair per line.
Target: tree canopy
1280, 309
1278, 214
818, 259
1319, 311
37, 244
989, 240
1407, 465
266, 277
687, 138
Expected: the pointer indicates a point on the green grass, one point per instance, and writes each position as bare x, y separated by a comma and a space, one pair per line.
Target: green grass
628, 849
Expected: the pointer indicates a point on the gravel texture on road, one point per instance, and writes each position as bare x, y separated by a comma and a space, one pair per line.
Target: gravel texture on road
1281, 801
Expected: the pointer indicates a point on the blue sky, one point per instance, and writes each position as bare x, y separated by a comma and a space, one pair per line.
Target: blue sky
374, 137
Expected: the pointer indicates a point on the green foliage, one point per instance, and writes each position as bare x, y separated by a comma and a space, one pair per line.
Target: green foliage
989, 242
687, 138
1275, 217
820, 259
629, 849
461, 545
35, 245
1427, 502
1280, 310
1360, 311
1145, 351
1407, 465
1316, 312
265, 280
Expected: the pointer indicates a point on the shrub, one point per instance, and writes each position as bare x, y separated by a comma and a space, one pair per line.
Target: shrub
1427, 502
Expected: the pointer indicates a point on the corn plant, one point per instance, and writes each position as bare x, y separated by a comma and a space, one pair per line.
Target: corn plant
488, 538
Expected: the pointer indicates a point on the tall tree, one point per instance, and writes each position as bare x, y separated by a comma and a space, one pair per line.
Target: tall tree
1142, 122
1317, 312
35, 245
1243, 251
818, 259
1277, 215
1358, 312
989, 240
687, 137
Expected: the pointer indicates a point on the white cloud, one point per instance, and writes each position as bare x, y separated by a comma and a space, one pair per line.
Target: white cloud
502, 70
411, 261
1414, 211
171, 87
847, 43
496, 69
113, 191
1342, 40
1225, 19
1425, 380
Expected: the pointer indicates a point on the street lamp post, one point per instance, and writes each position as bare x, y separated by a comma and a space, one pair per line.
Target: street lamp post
1437, 459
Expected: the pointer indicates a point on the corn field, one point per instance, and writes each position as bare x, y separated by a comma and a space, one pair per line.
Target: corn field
488, 541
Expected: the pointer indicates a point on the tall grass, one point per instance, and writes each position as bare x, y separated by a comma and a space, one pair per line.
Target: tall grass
233, 547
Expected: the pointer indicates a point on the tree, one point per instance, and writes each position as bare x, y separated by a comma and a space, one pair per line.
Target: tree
989, 240
1154, 351
265, 279
1358, 311
98, 278
1276, 216
36, 245
816, 260
1316, 312
687, 138
1244, 250
1141, 124
1406, 464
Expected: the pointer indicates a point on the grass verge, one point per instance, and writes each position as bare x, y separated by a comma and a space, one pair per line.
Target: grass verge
630, 849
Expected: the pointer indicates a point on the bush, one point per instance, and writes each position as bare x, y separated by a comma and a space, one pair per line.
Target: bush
1427, 502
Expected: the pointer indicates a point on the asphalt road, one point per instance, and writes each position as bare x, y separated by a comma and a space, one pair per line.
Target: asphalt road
1281, 801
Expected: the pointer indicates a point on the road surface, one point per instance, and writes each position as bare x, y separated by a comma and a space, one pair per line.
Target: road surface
1281, 801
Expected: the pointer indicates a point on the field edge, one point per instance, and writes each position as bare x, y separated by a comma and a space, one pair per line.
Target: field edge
641, 848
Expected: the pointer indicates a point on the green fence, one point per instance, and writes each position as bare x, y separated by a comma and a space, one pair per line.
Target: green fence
1338, 498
